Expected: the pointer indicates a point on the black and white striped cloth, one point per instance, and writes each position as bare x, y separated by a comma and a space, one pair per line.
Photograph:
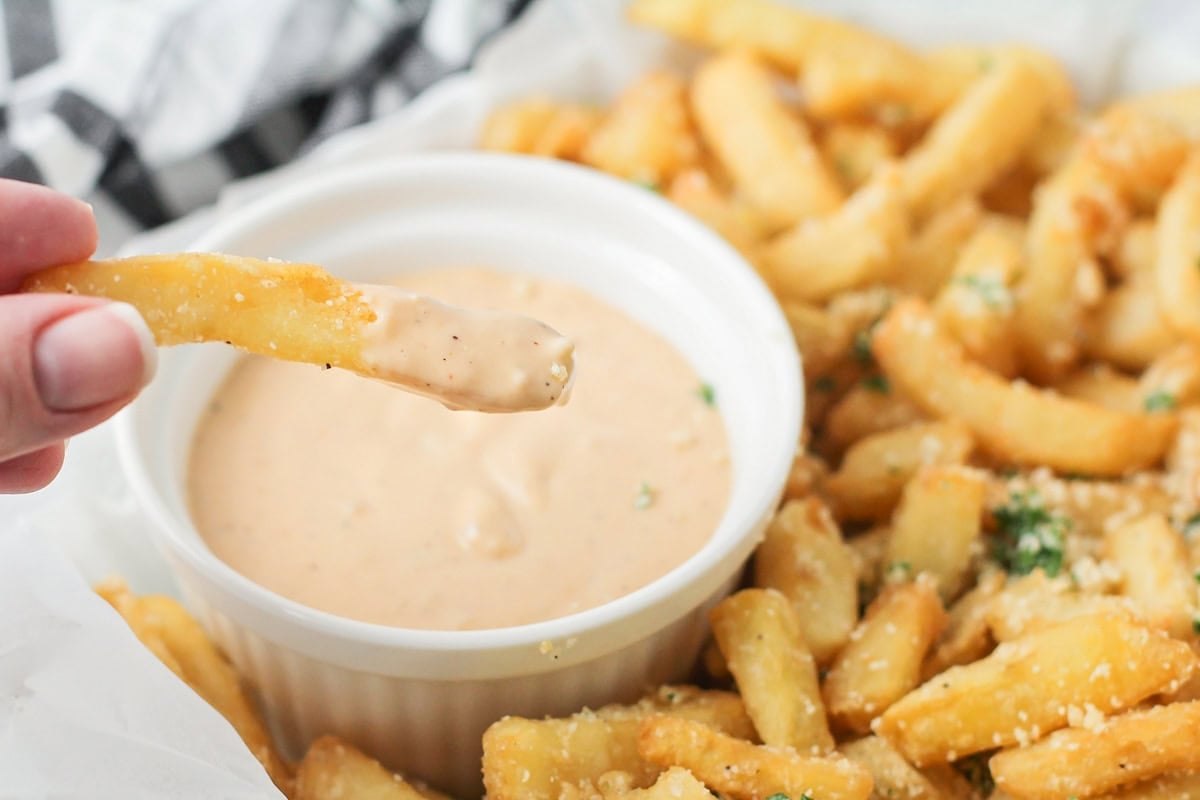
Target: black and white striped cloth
146, 109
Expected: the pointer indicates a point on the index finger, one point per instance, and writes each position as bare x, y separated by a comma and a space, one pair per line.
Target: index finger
40, 227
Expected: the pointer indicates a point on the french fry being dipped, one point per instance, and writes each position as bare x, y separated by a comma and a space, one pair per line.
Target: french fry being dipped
480, 360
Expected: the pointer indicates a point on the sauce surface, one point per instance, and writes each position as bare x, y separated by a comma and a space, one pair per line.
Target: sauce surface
351, 497
465, 358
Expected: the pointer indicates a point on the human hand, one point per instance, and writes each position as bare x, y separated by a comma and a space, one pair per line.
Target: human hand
66, 363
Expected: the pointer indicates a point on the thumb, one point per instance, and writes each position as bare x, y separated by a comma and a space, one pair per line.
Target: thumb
66, 364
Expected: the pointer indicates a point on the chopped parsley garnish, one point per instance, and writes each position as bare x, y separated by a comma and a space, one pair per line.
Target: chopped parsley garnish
1191, 526
779, 796
708, 394
861, 346
975, 770
823, 384
1160, 401
1195, 624
990, 289
1196, 576
898, 571
877, 383
648, 185
1029, 536
645, 497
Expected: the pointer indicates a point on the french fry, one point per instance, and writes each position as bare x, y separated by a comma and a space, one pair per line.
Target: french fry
1180, 107
927, 261
1034, 685
936, 526
875, 469
1102, 385
822, 339
895, 777
761, 639
979, 137
1128, 328
1079, 212
1086, 761
647, 137
533, 759
695, 191
855, 151
1013, 421
1175, 786
966, 637
674, 784
1092, 506
807, 473
333, 769
773, 31
1183, 470
882, 660
976, 307
1155, 572
1177, 256
866, 410
1034, 602
539, 126
1173, 380
804, 558
299, 312
166, 627
845, 71
1135, 253
745, 771
870, 549
766, 149
853, 247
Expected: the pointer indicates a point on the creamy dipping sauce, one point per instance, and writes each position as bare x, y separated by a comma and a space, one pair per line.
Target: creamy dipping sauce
351, 497
464, 358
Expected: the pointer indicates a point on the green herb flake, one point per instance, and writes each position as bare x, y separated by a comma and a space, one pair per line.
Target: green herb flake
1160, 401
1191, 526
648, 184
824, 384
898, 572
1196, 576
990, 289
1029, 536
779, 796
861, 346
645, 497
1195, 624
877, 383
975, 770
986, 62
708, 394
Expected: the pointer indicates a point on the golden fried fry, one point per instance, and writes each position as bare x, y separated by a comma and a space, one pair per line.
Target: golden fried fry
761, 639
1083, 762
166, 628
648, 135
744, 771
936, 526
333, 770
298, 312
883, 658
532, 759
766, 149
1014, 421
1034, 685
803, 557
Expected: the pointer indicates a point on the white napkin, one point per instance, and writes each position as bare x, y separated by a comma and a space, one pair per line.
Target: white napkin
84, 711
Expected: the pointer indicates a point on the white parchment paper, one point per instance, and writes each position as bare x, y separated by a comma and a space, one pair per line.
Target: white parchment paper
84, 710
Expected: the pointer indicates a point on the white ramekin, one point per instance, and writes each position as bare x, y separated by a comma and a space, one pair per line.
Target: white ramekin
421, 699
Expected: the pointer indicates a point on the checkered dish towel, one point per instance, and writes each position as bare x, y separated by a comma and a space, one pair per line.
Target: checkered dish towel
147, 108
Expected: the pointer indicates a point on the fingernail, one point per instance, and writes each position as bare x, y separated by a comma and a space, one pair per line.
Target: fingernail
93, 357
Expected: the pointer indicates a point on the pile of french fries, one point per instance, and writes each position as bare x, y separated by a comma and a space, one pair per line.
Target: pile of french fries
983, 579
